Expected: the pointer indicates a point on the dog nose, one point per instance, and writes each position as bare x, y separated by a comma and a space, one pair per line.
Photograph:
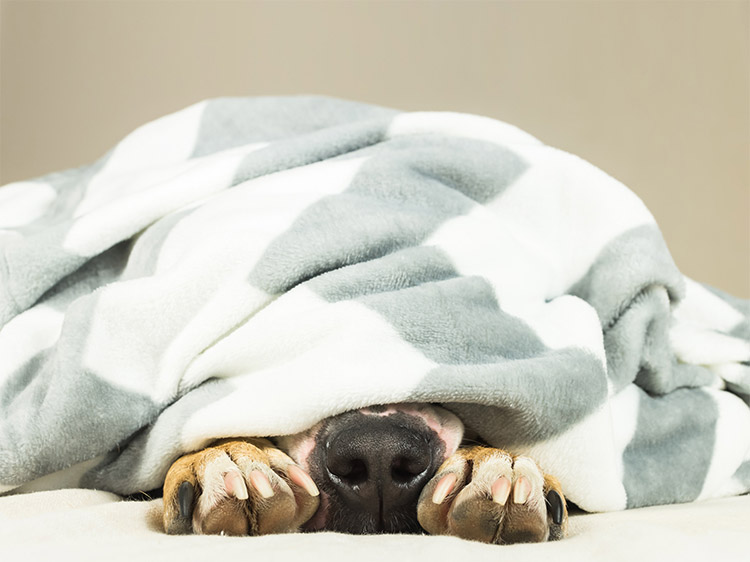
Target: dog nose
380, 469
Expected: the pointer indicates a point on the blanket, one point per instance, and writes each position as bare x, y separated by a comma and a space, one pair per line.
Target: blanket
248, 267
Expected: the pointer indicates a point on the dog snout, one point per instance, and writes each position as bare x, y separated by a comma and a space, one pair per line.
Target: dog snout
372, 464
379, 470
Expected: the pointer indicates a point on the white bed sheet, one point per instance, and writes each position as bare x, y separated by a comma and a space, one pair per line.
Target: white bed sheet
93, 525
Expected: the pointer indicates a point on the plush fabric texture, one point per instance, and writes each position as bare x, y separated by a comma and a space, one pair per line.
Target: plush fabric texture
85, 525
251, 266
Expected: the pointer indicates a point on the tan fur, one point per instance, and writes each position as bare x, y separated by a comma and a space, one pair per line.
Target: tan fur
468, 511
285, 511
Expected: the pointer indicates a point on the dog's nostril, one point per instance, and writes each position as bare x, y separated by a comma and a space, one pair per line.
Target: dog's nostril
351, 471
406, 469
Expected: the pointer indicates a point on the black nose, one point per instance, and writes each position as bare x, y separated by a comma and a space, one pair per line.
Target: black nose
379, 468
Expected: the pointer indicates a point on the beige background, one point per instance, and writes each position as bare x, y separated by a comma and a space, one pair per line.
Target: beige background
655, 93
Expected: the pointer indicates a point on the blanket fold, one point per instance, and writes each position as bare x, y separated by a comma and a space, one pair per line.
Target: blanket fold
249, 266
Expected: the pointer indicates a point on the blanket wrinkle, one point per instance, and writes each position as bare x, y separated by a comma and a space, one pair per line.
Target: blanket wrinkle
250, 266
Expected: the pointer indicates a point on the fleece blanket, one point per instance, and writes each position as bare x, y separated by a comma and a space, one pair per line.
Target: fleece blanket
251, 266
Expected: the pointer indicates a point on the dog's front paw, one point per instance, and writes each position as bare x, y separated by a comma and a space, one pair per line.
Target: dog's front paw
488, 495
237, 487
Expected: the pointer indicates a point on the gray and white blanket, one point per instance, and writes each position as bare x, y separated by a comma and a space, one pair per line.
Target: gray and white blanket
251, 266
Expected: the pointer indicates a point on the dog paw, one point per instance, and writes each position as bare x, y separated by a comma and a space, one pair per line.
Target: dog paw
490, 496
237, 487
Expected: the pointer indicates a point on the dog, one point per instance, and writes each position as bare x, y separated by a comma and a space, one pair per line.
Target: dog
399, 468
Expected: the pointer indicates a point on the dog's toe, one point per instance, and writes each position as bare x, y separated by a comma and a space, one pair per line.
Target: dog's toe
487, 495
179, 520
237, 488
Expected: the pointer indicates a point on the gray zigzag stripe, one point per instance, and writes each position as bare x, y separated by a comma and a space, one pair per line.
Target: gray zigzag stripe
670, 453
231, 122
398, 198
37, 261
741, 330
63, 385
630, 285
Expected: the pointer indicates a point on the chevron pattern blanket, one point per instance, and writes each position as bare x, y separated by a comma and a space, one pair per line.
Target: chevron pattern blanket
251, 266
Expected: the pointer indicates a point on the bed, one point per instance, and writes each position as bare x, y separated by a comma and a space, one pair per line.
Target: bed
250, 266
88, 525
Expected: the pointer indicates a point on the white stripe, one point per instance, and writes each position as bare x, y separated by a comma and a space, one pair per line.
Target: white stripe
702, 308
26, 335
586, 460
567, 321
731, 445
699, 346
558, 215
564, 212
734, 373
146, 157
624, 408
480, 244
69, 477
304, 355
165, 141
458, 125
233, 303
215, 248
259, 210
131, 202
23, 202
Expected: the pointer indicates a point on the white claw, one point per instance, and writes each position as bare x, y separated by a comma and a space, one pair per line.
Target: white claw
521, 490
235, 485
261, 483
501, 490
302, 478
443, 488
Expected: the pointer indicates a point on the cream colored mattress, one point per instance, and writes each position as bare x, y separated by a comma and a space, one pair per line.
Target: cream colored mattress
92, 525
